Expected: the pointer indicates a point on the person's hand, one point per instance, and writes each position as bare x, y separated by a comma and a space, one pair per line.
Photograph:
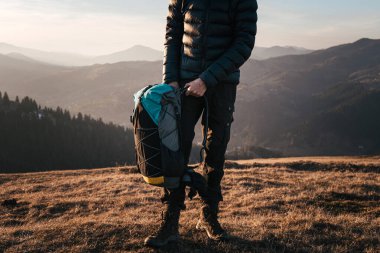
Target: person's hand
174, 85
196, 88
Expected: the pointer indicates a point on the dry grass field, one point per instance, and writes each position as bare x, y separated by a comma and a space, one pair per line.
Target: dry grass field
320, 204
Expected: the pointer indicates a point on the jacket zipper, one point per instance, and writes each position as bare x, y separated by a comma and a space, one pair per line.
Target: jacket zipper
205, 35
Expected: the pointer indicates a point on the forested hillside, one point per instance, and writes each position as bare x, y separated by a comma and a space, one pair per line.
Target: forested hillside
35, 139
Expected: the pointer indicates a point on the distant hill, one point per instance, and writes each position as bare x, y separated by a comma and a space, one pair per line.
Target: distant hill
324, 102
99, 90
263, 53
57, 58
21, 57
102, 91
135, 53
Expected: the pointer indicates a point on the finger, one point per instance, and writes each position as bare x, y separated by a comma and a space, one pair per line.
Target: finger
192, 93
186, 87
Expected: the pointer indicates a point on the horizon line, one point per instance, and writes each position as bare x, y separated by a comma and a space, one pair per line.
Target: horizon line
153, 48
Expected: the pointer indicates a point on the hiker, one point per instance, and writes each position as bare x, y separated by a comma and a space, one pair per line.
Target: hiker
207, 41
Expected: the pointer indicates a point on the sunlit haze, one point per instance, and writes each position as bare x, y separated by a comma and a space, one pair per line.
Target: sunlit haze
99, 27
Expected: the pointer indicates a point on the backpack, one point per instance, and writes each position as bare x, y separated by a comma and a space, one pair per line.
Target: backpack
156, 123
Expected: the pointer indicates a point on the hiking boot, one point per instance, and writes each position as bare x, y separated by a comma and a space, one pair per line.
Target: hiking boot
209, 222
168, 231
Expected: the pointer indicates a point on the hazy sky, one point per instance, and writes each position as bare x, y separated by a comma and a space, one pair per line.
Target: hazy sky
104, 26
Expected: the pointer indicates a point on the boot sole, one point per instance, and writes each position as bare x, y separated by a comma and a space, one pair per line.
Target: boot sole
172, 238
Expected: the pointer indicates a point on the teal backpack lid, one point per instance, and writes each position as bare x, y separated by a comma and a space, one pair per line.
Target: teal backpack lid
151, 99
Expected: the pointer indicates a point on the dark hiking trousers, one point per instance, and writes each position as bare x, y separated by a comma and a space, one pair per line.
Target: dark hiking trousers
221, 100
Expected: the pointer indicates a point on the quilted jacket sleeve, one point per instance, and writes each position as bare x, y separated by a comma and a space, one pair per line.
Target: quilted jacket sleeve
245, 28
173, 42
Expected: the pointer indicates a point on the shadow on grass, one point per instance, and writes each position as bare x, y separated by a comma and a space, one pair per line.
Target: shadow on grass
234, 244
340, 203
309, 166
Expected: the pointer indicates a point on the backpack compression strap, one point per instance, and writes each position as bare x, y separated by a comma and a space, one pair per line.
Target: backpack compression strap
205, 130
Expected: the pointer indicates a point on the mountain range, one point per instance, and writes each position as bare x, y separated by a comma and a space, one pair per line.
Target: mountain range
263, 53
323, 102
135, 53
326, 102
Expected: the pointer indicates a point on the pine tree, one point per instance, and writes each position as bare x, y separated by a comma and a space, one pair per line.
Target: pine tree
6, 99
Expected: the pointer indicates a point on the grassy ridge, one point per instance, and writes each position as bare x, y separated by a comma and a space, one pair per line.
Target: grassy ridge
272, 207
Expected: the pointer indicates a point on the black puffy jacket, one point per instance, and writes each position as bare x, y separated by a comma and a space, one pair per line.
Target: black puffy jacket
209, 39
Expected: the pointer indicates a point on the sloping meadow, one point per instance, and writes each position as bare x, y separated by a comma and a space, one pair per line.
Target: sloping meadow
269, 206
